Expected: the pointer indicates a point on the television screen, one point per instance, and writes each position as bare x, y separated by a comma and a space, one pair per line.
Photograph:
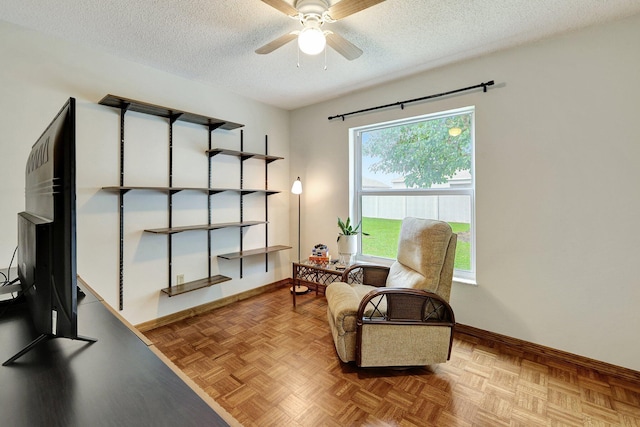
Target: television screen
47, 232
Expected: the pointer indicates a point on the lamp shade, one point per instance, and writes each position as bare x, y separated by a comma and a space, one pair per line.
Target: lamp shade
296, 188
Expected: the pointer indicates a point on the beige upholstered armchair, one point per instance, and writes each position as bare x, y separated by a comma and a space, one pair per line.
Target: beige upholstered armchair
398, 315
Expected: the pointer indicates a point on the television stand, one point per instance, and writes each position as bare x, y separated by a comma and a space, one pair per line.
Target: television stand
10, 288
41, 338
122, 380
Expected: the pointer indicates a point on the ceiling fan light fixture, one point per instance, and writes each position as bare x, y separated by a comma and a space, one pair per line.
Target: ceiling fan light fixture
312, 40
313, 14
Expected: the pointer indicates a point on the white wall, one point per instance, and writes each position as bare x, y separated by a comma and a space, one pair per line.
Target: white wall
557, 160
557, 132
39, 73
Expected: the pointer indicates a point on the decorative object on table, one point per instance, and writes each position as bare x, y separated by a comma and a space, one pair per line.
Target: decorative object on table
320, 250
296, 188
320, 261
348, 240
320, 255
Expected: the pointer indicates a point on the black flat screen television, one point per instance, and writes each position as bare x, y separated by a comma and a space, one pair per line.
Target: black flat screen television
47, 233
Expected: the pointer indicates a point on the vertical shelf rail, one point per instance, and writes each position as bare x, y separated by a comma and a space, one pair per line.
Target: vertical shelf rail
211, 127
123, 109
209, 207
172, 119
170, 205
266, 203
241, 196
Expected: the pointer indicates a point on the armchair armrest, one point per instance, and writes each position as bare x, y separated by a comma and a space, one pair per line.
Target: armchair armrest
366, 274
405, 305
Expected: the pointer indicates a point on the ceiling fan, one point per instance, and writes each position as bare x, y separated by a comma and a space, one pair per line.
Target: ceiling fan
313, 14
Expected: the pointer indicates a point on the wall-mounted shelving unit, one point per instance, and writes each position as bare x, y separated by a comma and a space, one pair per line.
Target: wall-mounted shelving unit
212, 124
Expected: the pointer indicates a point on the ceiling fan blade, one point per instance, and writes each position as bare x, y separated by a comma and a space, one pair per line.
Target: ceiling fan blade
343, 46
277, 43
345, 8
282, 6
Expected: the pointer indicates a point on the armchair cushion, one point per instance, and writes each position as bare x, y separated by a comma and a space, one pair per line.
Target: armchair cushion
421, 254
344, 300
342, 311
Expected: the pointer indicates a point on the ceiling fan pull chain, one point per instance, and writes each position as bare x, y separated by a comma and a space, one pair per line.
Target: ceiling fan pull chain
298, 63
325, 58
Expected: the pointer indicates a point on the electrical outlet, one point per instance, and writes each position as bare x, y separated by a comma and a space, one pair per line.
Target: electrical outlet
179, 279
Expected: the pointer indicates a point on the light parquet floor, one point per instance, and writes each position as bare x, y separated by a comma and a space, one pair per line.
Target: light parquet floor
268, 364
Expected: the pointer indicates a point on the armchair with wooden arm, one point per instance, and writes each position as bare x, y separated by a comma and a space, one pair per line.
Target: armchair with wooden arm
398, 315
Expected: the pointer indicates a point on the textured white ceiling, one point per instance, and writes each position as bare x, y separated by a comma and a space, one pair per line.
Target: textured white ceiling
214, 40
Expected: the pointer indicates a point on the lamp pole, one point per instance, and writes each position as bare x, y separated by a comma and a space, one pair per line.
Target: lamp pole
299, 226
296, 188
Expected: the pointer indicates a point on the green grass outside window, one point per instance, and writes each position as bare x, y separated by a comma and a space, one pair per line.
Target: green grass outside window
383, 240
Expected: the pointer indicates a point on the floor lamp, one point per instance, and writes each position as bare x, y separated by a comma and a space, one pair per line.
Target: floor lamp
296, 188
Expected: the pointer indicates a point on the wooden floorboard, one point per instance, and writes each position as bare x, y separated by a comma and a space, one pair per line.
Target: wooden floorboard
269, 364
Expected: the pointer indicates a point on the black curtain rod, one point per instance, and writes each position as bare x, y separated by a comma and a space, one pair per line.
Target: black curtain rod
402, 103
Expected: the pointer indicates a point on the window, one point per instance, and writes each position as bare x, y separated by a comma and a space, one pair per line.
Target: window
421, 167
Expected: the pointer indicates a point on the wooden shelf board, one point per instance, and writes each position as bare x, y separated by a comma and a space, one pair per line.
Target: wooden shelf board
244, 155
174, 230
249, 191
126, 188
159, 111
196, 284
243, 191
251, 252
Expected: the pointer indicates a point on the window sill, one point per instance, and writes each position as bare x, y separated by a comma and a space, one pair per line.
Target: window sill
464, 281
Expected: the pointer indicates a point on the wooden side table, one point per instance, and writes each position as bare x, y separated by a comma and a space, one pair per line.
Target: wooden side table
314, 276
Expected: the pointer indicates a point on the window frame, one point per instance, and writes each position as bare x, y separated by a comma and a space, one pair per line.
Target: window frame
357, 192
